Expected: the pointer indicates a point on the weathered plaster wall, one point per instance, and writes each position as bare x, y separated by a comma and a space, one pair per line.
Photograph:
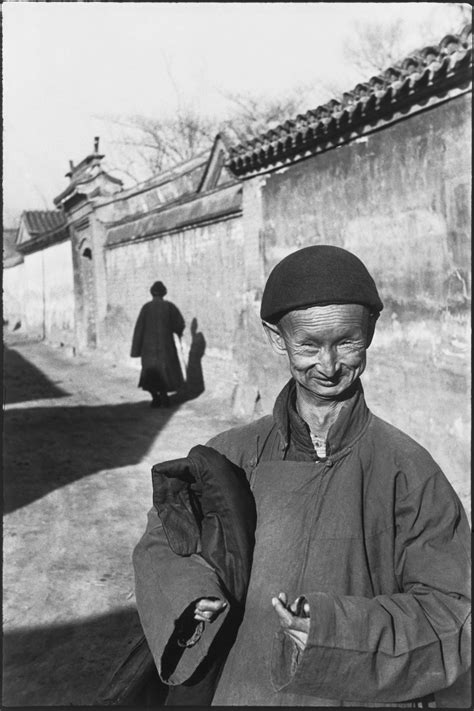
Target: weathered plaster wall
399, 199
59, 294
33, 305
13, 295
203, 270
48, 296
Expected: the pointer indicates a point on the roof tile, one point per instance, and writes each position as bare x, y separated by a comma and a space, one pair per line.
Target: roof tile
43, 221
426, 71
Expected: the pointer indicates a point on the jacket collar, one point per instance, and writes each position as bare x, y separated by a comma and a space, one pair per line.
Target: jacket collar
350, 424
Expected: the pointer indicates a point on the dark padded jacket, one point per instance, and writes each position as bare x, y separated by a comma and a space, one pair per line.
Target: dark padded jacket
207, 510
206, 506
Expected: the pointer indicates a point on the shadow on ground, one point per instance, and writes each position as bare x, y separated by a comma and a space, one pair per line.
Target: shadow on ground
65, 665
23, 381
49, 447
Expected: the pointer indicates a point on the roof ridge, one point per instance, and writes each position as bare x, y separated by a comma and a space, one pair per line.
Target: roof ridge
43, 212
178, 170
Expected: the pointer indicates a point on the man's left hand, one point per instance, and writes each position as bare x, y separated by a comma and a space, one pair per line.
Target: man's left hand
294, 618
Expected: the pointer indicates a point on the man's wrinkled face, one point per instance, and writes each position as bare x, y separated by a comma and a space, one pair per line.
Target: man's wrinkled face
326, 347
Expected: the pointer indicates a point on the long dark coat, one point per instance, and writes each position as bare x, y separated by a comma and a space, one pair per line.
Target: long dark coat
153, 341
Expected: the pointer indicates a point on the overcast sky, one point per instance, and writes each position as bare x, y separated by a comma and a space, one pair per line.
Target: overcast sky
65, 64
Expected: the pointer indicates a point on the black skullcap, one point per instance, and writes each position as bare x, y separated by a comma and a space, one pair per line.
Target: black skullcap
317, 276
158, 289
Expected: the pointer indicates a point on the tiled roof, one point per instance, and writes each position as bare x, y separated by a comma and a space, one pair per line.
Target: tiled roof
39, 222
183, 182
425, 73
206, 207
39, 229
165, 188
76, 183
191, 165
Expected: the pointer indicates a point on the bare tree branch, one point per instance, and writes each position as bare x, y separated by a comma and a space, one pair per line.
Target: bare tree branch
373, 46
251, 115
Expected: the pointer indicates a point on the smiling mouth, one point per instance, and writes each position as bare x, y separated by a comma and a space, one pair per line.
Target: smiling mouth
327, 383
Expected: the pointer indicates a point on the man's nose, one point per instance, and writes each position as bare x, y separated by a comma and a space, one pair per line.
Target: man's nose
328, 362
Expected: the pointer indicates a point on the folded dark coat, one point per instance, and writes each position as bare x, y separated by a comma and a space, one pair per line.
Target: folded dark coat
205, 504
208, 514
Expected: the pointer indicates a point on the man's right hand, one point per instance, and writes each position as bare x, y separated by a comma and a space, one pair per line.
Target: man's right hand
208, 609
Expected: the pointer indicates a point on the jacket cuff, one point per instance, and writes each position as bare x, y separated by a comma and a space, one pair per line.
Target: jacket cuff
191, 655
303, 671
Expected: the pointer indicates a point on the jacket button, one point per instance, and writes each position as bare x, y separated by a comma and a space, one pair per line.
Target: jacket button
329, 463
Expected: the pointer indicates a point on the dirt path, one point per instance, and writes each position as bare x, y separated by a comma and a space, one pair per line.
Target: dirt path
80, 441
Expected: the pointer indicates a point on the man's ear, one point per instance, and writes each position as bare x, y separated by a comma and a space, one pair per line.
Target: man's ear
275, 338
371, 327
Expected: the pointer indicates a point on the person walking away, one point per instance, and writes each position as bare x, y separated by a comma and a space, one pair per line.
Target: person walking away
153, 342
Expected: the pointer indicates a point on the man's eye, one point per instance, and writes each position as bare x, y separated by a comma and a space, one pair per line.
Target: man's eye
351, 344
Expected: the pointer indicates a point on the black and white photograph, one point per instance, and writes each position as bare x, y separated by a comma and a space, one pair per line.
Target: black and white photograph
236, 354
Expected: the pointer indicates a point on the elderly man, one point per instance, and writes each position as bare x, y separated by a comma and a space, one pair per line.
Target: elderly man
359, 586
